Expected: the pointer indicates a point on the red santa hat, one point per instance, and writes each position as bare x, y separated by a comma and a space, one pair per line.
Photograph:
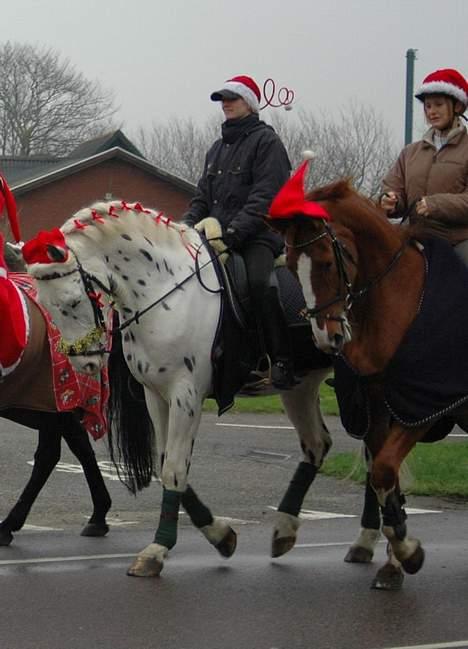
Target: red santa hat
36, 251
240, 86
290, 201
445, 82
8, 200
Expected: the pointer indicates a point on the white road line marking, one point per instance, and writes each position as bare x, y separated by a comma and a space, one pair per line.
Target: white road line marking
268, 427
311, 515
463, 644
90, 557
41, 528
257, 426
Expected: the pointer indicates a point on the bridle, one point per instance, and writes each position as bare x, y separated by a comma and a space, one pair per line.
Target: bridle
81, 346
342, 256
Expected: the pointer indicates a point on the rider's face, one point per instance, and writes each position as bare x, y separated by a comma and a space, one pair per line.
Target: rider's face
439, 111
235, 108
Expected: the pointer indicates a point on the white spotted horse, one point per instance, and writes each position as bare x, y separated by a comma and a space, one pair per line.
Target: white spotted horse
161, 278
28, 397
388, 303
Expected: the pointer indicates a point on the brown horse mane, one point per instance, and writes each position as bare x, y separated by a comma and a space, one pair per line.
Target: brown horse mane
356, 211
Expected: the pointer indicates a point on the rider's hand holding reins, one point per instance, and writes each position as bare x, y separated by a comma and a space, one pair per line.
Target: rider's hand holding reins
388, 202
421, 207
213, 232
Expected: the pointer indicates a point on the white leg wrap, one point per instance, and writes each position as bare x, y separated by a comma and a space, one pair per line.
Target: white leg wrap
286, 525
154, 551
367, 539
401, 549
215, 532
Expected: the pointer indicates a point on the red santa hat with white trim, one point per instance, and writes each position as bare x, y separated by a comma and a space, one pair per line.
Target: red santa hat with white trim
445, 82
240, 86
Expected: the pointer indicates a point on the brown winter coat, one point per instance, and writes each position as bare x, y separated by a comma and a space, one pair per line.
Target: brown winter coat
440, 176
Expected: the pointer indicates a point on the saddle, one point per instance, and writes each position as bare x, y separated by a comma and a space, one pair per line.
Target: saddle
238, 359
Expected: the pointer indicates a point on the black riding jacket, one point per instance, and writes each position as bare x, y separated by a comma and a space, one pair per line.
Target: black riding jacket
243, 172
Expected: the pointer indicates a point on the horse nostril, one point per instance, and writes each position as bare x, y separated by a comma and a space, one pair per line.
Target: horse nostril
337, 341
91, 368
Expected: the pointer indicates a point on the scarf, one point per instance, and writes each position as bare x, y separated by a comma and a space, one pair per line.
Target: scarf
233, 129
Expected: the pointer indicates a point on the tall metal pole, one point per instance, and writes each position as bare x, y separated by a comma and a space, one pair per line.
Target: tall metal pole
410, 58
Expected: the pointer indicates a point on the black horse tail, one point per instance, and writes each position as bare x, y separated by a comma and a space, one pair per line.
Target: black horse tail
131, 436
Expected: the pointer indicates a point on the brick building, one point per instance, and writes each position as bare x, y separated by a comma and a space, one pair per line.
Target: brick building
50, 190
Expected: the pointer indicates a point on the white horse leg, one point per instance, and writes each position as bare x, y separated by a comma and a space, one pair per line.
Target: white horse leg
150, 561
302, 406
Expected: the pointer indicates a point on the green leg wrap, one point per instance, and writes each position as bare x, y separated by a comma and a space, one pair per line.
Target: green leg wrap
295, 494
199, 513
166, 534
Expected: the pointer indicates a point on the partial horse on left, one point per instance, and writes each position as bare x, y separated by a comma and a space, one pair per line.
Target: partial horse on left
27, 397
28, 394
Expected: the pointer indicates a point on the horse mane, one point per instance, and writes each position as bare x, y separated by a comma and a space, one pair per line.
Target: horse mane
94, 221
351, 208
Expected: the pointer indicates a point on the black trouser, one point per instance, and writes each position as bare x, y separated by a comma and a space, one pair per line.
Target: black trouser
259, 261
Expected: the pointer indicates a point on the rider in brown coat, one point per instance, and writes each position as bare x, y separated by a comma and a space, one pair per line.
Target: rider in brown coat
430, 177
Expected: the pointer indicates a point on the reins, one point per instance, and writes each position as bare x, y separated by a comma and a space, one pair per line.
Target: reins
89, 280
351, 296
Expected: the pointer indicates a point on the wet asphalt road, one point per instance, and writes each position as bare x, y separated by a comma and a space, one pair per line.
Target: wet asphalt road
62, 591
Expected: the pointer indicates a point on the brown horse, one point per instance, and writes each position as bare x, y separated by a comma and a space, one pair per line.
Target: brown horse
366, 284
27, 397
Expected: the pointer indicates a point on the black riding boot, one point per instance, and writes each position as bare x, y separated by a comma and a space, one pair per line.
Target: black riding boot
278, 341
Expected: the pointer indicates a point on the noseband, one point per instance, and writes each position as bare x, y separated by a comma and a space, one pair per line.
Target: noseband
342, 254
81, 346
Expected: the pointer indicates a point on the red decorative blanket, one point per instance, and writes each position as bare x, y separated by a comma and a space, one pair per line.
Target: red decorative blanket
72, 389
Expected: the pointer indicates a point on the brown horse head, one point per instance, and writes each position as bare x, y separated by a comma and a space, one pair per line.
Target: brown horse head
336, 259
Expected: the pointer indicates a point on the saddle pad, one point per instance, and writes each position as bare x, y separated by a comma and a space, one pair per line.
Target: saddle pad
427, 378
73, 390
428, 375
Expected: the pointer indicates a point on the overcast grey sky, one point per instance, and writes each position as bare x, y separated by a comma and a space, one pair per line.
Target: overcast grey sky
164, 57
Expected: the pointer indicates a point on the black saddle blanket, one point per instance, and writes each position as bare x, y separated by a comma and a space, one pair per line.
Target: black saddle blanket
428, 376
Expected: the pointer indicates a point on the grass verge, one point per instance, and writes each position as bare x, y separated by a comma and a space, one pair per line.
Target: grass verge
439, 469
272, 404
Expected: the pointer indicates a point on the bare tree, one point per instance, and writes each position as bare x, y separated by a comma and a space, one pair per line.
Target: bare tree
355, 143
179, 146
46, 106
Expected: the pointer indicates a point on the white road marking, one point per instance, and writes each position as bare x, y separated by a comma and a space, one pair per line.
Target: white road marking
312, 515
257, 426
463, 644
269, 427
90, 557
41, 528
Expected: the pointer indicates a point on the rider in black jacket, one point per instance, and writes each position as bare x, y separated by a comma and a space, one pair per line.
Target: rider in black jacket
243, 172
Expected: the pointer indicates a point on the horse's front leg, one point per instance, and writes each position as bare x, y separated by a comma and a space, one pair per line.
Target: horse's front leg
216, 530
302, 406
384, 479
362, 550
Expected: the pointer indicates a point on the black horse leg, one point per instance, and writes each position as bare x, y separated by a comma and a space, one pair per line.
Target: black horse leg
45, 459
362, 550
215, 530
79, 444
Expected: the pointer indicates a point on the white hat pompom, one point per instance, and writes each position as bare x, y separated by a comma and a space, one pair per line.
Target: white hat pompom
308, 155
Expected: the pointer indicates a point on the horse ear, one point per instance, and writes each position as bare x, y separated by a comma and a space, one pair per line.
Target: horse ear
56, 254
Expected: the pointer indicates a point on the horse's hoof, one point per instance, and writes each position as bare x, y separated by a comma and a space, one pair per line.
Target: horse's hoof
227, 546
6, 537
414, 563
388, 578
280, 546
145, 567
95, 529
358, 554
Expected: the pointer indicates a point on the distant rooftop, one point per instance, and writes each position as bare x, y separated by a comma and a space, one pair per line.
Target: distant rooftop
18, 170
